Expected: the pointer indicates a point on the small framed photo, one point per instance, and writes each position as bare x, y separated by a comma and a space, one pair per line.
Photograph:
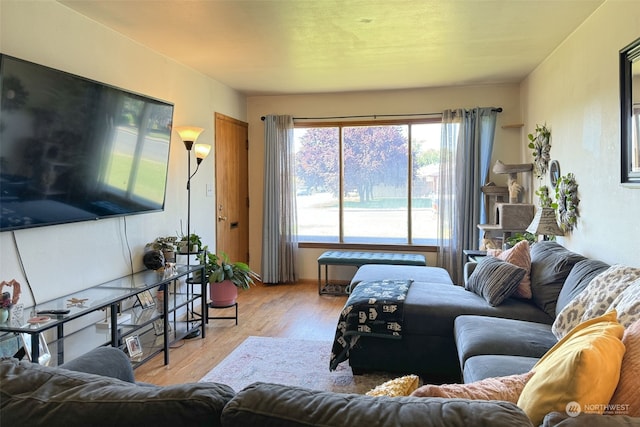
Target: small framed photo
133, 346
45, 356
146, 299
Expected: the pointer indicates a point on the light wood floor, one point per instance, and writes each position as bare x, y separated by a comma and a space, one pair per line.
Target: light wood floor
294, 311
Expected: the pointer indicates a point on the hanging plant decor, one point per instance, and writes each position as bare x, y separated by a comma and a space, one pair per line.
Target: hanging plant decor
544, 199
540, 143
567, 199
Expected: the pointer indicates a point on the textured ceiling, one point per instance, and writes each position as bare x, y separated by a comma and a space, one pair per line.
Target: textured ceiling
262, 47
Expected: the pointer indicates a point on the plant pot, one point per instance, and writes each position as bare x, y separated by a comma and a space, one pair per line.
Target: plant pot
223, 294
169, 256
4, 315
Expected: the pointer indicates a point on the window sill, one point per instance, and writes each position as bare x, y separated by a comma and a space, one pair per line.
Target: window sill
368, 246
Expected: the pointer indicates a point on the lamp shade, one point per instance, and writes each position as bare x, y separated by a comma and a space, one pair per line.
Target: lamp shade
545, 223
188, 133
202, 151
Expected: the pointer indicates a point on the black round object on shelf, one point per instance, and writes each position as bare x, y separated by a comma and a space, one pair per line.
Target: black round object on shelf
153, 260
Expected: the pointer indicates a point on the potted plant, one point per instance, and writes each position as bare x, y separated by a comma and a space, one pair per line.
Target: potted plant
190, 244
225, 277
167, 245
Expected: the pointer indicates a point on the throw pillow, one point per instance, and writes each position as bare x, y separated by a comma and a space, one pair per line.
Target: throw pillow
617, 288
581, 369
499, 388
626, 398
519, 255
402, 386
550, 265
494, 280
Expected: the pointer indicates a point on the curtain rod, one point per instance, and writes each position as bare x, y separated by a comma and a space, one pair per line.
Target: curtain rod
375, 116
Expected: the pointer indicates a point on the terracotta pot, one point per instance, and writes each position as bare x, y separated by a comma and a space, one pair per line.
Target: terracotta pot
223, 293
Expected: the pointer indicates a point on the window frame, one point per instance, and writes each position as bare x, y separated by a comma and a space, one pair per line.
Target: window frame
341, 124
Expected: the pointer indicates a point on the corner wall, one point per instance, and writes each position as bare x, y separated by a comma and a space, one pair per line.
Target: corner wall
575, 91
61, 259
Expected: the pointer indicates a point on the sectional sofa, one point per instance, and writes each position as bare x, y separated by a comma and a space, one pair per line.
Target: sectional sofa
429, 347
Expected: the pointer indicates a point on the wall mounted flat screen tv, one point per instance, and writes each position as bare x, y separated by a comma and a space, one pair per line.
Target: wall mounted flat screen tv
72, 149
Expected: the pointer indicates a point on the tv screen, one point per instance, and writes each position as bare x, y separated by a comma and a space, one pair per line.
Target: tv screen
72, 149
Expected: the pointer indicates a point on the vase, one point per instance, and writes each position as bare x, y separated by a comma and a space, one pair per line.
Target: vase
223, 294
4, 315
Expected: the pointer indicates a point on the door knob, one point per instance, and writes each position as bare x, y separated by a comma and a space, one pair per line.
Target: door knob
222, 218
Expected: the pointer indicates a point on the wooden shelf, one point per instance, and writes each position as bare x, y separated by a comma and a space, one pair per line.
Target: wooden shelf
513, 126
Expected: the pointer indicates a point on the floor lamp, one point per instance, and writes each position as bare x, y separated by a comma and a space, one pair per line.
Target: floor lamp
189, 134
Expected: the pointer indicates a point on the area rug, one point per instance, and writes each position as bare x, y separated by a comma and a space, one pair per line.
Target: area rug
294, 362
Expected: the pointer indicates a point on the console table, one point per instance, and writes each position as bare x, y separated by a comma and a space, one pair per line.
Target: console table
156, 327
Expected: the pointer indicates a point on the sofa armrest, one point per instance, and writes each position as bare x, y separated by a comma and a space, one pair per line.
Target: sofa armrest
44, 396
105, 361
271, 405
468, 269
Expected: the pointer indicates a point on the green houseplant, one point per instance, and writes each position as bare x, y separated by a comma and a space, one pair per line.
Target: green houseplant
190, 244
167, 245
225, 277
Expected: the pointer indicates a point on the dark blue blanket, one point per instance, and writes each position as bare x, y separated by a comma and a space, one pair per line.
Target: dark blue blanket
374, 309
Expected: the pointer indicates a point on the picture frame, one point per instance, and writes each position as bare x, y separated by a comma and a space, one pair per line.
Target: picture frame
133, 346
146, 299
45, 355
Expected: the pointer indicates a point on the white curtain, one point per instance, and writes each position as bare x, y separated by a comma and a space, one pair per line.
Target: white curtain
465, 150
279, 209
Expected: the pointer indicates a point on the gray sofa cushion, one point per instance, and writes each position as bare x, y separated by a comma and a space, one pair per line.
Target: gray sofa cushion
477, 368
581, 274
38, 395
268, 405
430, 309
375, 272
480, 335
495, 280
550, 266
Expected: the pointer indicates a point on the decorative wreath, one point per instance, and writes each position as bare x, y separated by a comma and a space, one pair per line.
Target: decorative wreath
540, 143
567, 199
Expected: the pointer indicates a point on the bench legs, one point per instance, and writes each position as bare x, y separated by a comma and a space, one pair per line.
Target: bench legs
326, 288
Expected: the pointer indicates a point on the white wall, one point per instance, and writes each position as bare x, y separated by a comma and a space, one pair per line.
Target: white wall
575, 91
62, 259
507, 141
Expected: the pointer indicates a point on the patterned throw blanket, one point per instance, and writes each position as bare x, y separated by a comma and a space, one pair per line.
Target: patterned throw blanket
374, 309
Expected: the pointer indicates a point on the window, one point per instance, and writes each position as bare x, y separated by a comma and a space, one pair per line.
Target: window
368, 182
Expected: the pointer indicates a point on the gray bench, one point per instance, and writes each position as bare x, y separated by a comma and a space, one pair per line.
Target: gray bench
358, 259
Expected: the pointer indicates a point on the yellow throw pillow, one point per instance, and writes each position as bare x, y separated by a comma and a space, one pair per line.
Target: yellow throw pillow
402, 386
499, 388
581, 369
